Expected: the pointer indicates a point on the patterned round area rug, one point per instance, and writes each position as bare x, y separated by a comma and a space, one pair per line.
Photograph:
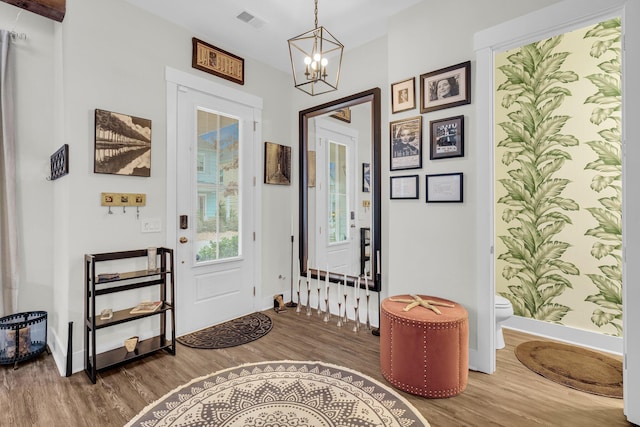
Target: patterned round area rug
573, 366
282, 394
229, 334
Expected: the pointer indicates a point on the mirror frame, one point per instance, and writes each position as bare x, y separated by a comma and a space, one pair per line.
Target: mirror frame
373, 96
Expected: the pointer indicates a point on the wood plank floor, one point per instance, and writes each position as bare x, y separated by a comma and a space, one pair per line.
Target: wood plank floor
36, 395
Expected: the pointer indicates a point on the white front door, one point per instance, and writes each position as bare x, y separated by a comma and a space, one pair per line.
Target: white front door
215, 247
337, 239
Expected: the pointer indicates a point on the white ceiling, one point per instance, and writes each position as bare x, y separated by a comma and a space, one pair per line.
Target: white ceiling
352, 22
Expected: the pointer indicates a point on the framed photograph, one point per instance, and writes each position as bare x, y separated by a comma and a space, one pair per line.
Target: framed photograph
277, 164
111, 129
447, 138
445, 88
403, 95
404, 187
406, 143
444, 188
212, 60
366, 177
343, 114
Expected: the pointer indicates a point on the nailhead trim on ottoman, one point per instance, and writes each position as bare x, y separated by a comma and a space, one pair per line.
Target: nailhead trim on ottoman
422, 352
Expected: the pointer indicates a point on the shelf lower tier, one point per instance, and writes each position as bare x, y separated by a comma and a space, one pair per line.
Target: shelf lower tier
120, 355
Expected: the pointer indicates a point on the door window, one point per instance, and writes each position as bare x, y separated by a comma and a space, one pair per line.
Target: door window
338, 197
217, 174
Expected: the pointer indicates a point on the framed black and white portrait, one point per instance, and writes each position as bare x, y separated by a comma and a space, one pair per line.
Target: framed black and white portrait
406, 143
445, 88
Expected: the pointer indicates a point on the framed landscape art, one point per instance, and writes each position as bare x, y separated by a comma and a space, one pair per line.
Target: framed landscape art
277, 164
122, 144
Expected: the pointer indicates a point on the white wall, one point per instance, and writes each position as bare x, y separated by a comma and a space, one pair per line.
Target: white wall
109, 55
431, 248
33, 95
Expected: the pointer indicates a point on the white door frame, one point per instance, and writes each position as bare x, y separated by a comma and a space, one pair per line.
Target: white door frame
324, 127
561, 17
176, 79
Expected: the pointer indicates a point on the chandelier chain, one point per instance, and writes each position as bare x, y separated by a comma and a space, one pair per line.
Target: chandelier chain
316, 13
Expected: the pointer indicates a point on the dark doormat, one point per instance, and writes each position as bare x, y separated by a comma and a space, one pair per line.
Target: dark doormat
573, 366
229, 334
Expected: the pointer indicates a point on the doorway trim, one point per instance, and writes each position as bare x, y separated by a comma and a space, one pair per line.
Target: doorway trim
559, 18
176, 79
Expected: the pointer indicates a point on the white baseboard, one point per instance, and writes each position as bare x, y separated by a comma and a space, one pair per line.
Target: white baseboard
581, 337
58, 351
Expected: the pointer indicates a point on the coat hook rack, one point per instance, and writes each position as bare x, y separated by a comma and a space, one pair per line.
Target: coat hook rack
124, 200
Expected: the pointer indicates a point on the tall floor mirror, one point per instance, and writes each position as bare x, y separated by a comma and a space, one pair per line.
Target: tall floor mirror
340, 221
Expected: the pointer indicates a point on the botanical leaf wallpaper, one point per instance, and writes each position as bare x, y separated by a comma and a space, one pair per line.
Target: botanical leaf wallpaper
558, 178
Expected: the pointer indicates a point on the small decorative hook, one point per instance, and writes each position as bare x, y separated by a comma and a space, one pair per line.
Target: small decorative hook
110, 213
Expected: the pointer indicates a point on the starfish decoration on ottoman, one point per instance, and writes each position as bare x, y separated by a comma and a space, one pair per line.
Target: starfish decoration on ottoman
426, 303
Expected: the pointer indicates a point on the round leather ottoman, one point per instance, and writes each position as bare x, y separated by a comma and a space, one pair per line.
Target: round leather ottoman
422, 352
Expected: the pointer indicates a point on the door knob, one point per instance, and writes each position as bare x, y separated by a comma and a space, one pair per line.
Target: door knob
183, 239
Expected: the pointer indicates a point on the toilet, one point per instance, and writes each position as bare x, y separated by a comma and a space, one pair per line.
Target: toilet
503, 310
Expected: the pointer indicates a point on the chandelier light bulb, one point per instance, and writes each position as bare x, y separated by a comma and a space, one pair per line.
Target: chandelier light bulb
307, 60
324, 62
314, 65
316, 57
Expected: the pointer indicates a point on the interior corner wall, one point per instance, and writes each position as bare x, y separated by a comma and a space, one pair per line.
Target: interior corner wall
67, 70
432, 247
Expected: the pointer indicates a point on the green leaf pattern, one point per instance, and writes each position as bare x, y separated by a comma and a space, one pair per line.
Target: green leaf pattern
534, 84
608, 165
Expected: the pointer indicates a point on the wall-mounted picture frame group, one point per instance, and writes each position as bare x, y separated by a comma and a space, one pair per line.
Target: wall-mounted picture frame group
210, 59
277, 164
447, 138
445, 88
405, 187
122, 144
406, 143
444, 188
403, 95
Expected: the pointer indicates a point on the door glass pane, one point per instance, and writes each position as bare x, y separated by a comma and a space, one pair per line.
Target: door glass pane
338, 206
217, 172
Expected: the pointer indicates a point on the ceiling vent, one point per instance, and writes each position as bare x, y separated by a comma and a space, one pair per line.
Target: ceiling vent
251, 19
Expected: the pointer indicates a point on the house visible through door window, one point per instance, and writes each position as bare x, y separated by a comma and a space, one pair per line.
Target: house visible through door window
338, 206
218, 193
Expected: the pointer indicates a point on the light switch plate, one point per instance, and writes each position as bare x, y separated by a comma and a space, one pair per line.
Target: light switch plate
151, 225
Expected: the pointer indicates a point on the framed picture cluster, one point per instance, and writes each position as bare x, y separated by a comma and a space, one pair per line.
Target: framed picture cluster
439, 188
439, 89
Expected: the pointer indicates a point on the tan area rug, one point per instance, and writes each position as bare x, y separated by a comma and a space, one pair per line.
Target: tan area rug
282, 394
573, 367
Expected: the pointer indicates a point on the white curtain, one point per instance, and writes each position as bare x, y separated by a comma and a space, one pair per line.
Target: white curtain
8, 219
